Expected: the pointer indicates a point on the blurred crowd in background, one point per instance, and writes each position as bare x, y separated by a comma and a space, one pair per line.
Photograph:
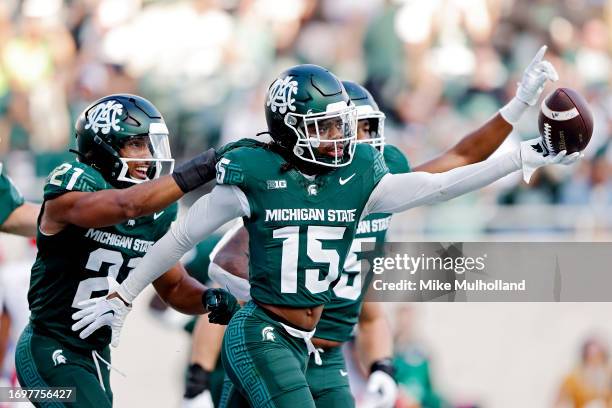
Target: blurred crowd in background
438, 69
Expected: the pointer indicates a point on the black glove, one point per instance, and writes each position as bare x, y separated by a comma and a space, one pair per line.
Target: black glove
197, 381
385, 365
220, 304
196, 172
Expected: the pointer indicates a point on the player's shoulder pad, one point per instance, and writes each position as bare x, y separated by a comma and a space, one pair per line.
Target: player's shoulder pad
245, 142
396, 160
73, 176
241, 162
368, 160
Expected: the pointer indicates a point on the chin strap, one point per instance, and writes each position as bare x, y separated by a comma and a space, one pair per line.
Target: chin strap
81, 155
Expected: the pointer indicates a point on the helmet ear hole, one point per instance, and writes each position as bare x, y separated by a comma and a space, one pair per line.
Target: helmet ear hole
298, 151
291, 120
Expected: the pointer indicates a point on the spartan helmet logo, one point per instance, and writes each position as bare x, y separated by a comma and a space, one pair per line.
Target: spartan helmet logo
280, 95
312, 190
267, 334
103, 117
58, 357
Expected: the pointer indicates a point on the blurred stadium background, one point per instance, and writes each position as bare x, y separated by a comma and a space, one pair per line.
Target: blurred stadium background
438, 69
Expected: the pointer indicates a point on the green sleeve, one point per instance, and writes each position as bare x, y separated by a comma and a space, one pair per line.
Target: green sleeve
10, 197
396, 160
73, 176
230, 168
379, 166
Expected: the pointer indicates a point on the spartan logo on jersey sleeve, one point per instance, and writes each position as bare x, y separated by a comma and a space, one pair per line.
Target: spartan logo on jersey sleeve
280, 95
104, 117
267, 334
58, 357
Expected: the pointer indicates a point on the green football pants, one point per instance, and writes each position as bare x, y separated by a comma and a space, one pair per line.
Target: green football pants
42, 361
328, 382
265, 364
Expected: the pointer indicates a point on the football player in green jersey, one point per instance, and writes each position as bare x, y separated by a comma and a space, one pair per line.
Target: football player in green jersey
328, 382
98, 218
301, 197
16, 215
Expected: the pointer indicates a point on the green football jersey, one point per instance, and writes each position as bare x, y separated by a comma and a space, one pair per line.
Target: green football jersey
300, 228
10, 197
342, 314
76, 263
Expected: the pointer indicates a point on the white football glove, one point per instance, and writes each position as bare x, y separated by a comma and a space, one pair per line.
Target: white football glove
202, 400
100, 311
530, 87
534, 78
534, 155
382, 391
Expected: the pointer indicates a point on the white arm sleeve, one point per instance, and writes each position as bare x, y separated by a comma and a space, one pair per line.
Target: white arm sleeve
399, 192
223, 204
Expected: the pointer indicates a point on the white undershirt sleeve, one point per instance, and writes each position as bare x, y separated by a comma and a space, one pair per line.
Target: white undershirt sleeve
399, 192
223, 204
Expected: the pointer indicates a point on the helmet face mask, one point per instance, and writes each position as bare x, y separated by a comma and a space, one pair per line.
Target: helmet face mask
376, 126
327, 138
367, 110
146, 157
310, 115
125, 138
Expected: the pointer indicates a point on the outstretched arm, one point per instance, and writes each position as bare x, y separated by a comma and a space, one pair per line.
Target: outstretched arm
113, 206
482, 142
22, 220
400, 192
108, 207
473, 148
211, 211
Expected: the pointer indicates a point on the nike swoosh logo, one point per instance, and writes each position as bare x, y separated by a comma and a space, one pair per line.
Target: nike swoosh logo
157, 215
343, 373
344, 181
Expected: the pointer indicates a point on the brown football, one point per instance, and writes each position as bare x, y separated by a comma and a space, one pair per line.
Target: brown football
565, 121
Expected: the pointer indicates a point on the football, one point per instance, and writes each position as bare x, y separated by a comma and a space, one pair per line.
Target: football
565, 121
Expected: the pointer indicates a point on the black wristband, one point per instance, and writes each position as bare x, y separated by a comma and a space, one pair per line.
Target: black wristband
196, 172
197, 381
385, 365
209, 298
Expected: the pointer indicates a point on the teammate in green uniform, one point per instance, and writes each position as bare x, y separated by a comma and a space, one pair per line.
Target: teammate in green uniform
301, 197
329, 382
16, 215
98, 219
